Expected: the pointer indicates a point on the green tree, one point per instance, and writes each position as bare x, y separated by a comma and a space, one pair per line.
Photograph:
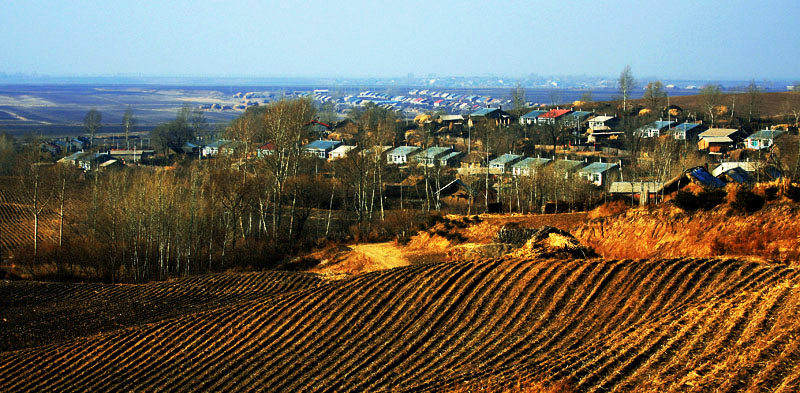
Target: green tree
174, 133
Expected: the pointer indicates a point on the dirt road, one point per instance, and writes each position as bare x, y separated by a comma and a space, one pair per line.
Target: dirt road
384, 255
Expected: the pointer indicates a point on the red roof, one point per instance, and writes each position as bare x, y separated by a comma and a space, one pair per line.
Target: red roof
555, 113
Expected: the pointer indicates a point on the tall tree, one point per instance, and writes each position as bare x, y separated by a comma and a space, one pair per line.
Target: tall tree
128, 123
753, 94
626, 84
712, 96
518, 100
174, 133
91, 123
655, 95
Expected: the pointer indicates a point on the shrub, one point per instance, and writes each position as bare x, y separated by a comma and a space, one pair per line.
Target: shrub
709, 199
747, 201
771, 193
792, 192
686, 201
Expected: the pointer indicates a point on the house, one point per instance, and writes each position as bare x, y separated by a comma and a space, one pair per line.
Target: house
72, 159
53, 149
431, 155
576, 119
603, 123
132, 155
401, 154
452, 122
736, 175
718, 140
644, 192
213, 148
504, 162
500, 117
455, 195
600, 173
265, 150
552, 116
110, 164
321, 148
763, 139
687, 131
654, 129
566, 167
530, 117
702, 177
340, 152
474, 159
527, 166
92, 161
450, 159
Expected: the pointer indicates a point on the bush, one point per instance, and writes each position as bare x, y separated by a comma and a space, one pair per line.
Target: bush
792, 192
686, 201
747, 201
771, 193
709, 199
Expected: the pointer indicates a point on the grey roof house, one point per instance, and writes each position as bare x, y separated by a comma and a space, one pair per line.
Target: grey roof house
527, 166
321, 148
763, 139
401, 154
599, 173
504, 162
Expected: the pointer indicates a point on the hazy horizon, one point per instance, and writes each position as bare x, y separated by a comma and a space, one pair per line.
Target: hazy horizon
680, 40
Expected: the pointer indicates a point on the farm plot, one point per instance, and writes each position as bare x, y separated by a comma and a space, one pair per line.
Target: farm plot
37, 313
663, 325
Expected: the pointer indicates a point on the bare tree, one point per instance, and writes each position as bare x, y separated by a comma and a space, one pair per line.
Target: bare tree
518, 100
128, 124
655, 95
712, 95
753, 94
91, 123
626, 84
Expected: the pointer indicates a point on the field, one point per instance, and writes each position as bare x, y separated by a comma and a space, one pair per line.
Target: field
647, 325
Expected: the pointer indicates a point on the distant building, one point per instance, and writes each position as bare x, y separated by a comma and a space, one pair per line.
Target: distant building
687, 131
763, 139
527, 166
600, 173
603, 123
576, 118
500, 117
531, 117
340, 152
504, 162
431, 155
321, 148
553, 116
653, 129
213, 148
718, 140
400, 155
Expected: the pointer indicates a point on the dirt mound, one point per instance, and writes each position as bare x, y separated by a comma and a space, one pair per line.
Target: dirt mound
550, 242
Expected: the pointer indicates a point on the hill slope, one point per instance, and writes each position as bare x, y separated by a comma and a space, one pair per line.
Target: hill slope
669, 325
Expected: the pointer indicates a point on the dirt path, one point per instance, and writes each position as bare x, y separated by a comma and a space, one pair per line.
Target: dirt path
384, 255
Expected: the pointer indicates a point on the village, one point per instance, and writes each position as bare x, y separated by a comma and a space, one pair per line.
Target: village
582, 155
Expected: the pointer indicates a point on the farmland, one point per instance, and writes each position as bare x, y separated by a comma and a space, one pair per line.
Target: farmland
598, 325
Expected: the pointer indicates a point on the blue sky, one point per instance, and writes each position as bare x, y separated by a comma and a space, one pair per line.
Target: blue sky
665, 39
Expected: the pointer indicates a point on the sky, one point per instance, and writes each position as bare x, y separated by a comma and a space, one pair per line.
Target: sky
720, 40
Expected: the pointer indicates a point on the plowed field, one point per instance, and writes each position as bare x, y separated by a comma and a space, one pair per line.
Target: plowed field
644, 326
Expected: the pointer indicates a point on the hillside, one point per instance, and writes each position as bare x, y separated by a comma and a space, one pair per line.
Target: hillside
651, 325
668, 232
